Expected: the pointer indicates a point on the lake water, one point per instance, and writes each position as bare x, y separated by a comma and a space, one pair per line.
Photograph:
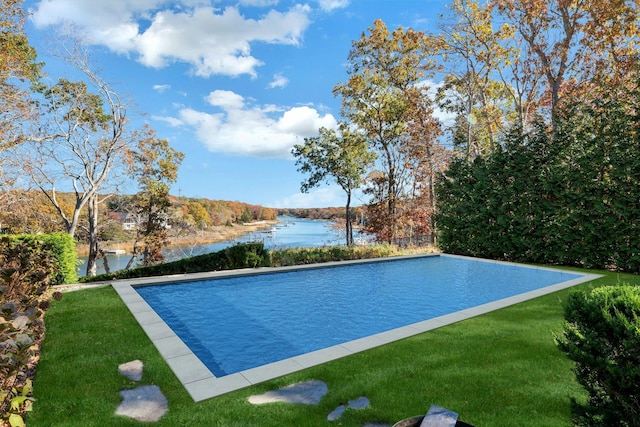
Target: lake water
238, 323
288, 233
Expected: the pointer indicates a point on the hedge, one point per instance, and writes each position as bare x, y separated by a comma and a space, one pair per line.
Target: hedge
247, 255
571, 197
60, 245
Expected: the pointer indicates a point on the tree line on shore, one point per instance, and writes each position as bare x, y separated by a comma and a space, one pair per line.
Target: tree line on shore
29, 211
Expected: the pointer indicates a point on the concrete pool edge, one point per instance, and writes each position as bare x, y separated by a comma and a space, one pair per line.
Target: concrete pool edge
202, 384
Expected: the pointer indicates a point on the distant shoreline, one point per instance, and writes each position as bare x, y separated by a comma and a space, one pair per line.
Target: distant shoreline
220, 233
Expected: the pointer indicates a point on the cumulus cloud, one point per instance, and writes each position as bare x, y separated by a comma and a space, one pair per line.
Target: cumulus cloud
170, 120
330, 5
278, 81
161, 88
259, 3
240, 128
212, 41
225, 99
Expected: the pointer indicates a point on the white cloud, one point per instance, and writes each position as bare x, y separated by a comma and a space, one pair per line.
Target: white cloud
212, 41
278, 81
446, 118
172, 121
259, 3
304, 121
225, 99
161, 88
253, 130
329, 5
332, 196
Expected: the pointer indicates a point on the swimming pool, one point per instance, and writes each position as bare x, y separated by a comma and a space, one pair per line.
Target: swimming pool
235, 324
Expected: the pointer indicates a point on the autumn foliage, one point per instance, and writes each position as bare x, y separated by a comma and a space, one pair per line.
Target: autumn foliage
27, 269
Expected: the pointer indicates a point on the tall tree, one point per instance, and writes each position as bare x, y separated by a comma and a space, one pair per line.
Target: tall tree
155, 167
18, 70
425, 159
81, 147
571, 41
472, 48
342, 157
384, 65
490, 84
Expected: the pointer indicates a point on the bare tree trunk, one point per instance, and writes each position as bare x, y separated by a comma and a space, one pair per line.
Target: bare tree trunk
348, 225
92, 209
105, 261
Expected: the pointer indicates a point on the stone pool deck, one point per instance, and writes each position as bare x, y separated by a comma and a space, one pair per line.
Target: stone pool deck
201, 384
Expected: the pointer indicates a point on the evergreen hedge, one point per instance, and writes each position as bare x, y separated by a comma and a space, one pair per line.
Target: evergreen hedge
60, 245
247, 255
251, 255
572, 198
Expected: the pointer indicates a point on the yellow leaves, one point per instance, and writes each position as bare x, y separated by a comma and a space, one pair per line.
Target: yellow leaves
16, 420
506, 32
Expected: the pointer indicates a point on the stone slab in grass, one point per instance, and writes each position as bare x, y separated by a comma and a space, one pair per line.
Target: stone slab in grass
359, 403
307, 393
145, 404
132, 370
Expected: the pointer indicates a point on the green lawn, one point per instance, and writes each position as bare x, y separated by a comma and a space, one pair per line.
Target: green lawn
499, 369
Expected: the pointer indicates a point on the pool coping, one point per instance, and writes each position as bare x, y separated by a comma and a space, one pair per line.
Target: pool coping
202, 384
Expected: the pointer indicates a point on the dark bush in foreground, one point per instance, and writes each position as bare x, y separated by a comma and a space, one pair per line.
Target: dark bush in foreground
27, 268
602, 336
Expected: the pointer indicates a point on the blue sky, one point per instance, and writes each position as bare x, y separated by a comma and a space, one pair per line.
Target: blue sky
232, 84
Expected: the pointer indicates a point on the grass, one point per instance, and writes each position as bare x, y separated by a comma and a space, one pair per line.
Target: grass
499, 369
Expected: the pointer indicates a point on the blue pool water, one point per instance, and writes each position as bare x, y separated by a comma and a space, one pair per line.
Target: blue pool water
237, 323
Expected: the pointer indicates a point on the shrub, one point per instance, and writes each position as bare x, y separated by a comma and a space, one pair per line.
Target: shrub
237, 256
59, 245
26, 272
248, 255
297, 256
602, 336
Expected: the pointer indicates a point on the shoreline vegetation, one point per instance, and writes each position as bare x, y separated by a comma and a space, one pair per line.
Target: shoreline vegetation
214, 234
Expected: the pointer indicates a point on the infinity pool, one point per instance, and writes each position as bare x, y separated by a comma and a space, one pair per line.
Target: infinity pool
234, 324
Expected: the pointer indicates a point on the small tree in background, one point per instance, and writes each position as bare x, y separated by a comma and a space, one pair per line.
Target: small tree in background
155, 165
343, 158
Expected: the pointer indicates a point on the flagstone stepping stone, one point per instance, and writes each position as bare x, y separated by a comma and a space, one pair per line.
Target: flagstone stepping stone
307, 393
359, 403
132, 370
336, 413
145, 404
